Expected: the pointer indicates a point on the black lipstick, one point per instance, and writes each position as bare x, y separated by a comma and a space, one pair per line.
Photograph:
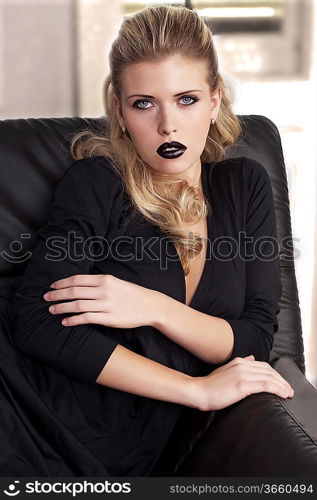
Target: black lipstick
171, 150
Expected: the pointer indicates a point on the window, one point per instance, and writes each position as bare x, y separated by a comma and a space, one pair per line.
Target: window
227, 15
267, 39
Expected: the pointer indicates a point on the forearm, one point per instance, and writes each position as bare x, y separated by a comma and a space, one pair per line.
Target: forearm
208, 337
130, 372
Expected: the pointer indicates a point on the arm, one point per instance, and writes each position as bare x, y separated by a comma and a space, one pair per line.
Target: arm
218, 340
208, 337
86, 352
128, 371
84, 201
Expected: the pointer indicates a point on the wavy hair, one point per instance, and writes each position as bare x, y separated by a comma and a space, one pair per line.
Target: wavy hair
151, 34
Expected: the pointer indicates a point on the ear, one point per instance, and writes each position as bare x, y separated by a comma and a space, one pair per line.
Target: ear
216, 97
118, 110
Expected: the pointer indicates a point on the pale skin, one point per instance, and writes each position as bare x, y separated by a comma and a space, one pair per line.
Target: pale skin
109, 301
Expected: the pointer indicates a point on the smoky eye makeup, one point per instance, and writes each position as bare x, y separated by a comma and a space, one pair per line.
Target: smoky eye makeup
138, 101
136, 104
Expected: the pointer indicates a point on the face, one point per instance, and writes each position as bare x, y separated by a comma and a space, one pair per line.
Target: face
166, 101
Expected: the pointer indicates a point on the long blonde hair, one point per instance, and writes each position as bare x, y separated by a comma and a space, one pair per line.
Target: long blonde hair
149, 35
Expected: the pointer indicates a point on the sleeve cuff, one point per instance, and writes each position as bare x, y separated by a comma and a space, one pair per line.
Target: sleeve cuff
248, 339
91, 358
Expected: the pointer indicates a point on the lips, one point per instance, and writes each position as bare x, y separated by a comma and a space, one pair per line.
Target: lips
171, 150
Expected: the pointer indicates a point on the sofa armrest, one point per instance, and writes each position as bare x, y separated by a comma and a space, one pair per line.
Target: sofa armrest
261, 435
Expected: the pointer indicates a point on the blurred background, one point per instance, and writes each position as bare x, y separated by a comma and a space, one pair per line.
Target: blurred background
54, 58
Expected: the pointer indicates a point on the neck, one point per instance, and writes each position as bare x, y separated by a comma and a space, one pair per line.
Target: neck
194, 176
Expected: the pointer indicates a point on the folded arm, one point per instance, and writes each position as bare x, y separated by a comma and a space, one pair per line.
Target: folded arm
78, 213
218, 340
87, 352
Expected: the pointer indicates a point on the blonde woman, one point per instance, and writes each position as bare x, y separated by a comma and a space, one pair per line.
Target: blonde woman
136, 302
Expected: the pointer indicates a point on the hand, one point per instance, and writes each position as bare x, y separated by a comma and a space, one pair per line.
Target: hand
236, 380
110, 301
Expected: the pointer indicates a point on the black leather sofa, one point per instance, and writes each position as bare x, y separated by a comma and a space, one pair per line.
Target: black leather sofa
262, 435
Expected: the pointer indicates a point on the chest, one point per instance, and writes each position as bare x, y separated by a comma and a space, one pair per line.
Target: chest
197, 265
140, 253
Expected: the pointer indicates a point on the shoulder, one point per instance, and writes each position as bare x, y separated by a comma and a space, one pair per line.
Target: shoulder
93, 168
89, 178
89, 185
240, 166
238, 181
243, 172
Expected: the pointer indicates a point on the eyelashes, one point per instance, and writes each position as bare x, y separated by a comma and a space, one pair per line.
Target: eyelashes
136, 106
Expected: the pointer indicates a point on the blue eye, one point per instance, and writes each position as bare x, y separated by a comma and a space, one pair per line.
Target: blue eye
139, 101
135, 104
190, 97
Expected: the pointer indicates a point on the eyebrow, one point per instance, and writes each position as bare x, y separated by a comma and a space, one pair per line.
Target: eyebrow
176, 95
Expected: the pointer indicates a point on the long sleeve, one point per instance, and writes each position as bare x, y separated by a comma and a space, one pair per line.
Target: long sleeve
81, 210
254, 330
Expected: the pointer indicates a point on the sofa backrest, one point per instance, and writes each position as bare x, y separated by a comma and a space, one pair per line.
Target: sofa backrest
34, 153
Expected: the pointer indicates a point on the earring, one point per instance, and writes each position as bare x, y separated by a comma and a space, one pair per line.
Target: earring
123, 130
213, 121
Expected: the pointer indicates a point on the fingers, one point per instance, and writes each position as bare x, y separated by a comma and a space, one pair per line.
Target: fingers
266, 369
267, 380
262, 373
79, 280
87, 317
271, 386
78, 306
275, 384
73, 293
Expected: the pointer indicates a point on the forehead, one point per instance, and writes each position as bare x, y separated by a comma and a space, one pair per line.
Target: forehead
168, 75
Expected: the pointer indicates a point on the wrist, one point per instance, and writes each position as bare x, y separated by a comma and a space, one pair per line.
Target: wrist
160, 310
191, 393
196, 390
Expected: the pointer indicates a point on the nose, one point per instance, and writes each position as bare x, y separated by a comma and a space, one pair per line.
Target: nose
166, 125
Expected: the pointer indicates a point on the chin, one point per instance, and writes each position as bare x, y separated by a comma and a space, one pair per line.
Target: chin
174, 166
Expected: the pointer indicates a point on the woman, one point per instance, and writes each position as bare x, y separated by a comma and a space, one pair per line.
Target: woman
150, 305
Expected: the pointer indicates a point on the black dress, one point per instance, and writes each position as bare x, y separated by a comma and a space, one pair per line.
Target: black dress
55, 420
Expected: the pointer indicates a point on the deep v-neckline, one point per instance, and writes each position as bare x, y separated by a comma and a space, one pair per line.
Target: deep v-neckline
178, 261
